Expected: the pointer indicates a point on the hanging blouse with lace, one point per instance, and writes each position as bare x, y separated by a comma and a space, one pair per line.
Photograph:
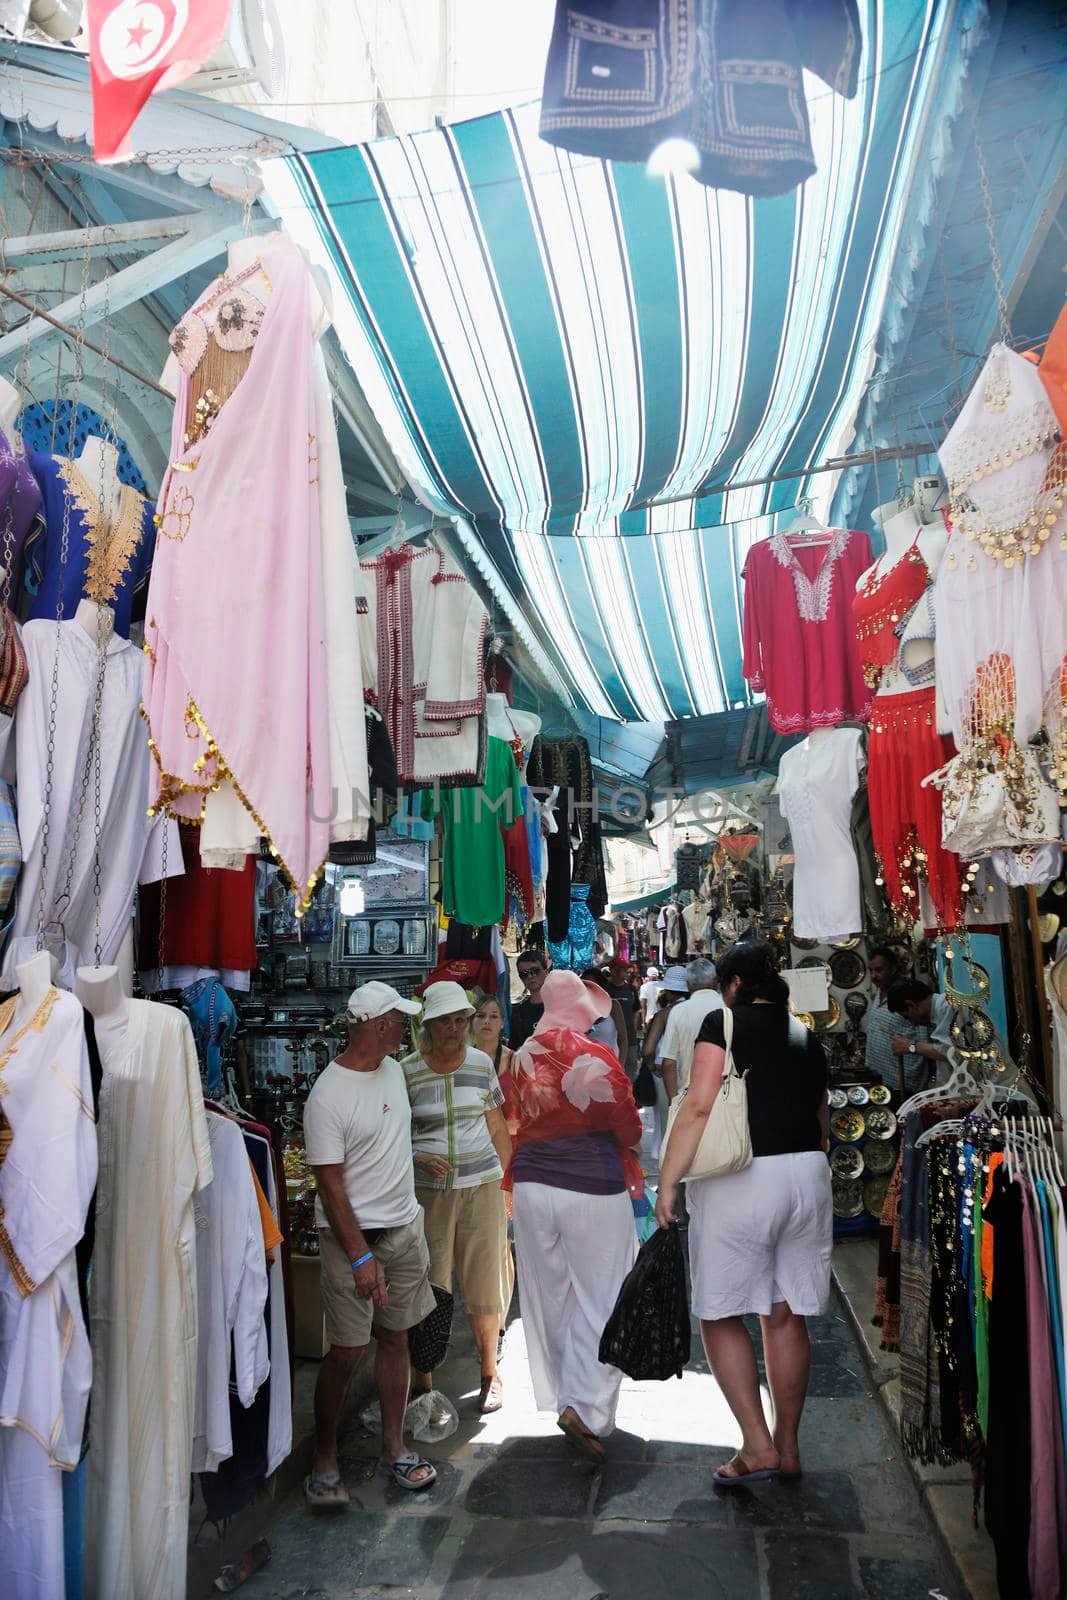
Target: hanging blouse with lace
799, 633
107, 560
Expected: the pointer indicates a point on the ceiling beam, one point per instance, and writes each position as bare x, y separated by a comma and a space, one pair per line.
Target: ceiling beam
206, 237
35, 249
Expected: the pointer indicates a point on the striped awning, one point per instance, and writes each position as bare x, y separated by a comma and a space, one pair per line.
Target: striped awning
580, 363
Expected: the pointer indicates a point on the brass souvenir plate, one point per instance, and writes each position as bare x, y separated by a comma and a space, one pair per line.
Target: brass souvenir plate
879, 1157
858, 1095
846, 1161
881, 1123
823, 1021
847, 969
874, 1193
879, 1094
847, 1126
838, 1099
847, 1196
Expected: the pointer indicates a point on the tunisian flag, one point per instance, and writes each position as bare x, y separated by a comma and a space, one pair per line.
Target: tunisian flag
136, 46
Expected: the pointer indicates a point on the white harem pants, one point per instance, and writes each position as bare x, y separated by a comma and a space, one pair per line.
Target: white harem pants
572, 1251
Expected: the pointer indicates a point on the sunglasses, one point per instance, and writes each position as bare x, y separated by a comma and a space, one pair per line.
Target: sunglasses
528, 972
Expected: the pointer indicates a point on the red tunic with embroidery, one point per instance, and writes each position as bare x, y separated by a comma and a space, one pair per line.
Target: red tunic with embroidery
799, 632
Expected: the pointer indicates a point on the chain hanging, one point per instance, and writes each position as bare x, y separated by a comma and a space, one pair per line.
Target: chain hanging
994, 249
103, 627
64, 550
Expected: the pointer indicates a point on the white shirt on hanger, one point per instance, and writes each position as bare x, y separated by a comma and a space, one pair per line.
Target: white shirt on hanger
231, 1287
816, 782
130, 840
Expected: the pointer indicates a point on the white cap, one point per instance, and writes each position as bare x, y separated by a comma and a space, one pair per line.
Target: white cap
675, 981
377, 1000
652, 972
443, 999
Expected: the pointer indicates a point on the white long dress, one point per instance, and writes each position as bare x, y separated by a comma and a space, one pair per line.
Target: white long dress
816, 783
128, 836
48, 1169
231, 1290
155, 1153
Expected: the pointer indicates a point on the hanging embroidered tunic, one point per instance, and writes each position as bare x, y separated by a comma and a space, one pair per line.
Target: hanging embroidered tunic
799, 633
238, 698
48, 1170
423, 632
476, 820
108, 562
20, 501
726, 75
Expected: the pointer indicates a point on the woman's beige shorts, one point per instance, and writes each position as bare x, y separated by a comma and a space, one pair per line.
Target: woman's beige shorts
466, 1231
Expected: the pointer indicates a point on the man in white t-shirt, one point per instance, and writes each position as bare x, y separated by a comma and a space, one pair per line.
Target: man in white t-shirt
649, 993
375, 1267
685, 1022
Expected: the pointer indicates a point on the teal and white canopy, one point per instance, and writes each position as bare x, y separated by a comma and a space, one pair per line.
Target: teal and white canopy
579, 363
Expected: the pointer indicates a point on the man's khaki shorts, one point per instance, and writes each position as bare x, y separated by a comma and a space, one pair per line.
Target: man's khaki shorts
467, 1232
349, 1317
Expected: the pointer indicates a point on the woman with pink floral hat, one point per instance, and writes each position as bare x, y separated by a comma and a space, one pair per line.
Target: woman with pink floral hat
573, 1172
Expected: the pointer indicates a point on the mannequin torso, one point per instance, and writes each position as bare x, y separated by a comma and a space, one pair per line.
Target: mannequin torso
100, 991
34, 977
10, 405
502, 722
903, 530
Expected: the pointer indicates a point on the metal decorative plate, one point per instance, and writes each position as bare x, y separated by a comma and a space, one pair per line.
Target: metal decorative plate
804, 944
858, 1095
881, 1123
879, 1095
848, 944
816, 961
880, 1157
847, 1196
838, 1099
847, 969
806, 1020
847, 1126
874, 1193
846, 1161
823, 1021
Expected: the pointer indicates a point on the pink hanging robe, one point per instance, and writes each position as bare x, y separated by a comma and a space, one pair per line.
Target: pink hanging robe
235, 629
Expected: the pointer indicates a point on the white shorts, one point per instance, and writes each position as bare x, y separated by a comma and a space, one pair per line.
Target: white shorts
762, 1236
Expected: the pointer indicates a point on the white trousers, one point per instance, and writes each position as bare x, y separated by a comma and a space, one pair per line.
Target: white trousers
573, 1251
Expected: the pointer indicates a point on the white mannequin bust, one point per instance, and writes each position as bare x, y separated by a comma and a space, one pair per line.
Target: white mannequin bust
35, 977
99, 466
503, 722
10, 405
919, 523
100, 991
96, 620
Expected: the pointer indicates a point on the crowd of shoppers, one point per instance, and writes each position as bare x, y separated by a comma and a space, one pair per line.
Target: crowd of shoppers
421, 1154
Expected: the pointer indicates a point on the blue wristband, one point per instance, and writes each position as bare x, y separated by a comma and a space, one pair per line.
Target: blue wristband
362, 1262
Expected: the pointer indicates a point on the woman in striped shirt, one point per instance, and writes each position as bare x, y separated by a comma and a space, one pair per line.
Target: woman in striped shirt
462, 1148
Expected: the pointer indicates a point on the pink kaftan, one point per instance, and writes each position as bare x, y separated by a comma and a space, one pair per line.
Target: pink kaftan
799, 632
235, 628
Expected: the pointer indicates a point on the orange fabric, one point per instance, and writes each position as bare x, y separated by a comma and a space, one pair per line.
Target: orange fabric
987, 1232
272, 1234
1052, 370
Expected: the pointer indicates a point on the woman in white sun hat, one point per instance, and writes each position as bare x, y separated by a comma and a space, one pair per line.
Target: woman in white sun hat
461, 1148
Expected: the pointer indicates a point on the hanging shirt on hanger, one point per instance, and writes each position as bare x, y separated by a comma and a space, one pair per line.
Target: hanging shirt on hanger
816, 782
799, 632
131, 842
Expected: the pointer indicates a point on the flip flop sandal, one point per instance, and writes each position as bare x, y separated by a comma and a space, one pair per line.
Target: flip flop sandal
742, 1474
402, 1468
490, 1396
325, 1491
588, 1443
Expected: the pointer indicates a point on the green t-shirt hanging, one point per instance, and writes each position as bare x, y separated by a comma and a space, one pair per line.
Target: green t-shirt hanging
475, 821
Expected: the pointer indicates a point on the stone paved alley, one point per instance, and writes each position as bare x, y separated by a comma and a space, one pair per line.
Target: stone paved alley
515, 1515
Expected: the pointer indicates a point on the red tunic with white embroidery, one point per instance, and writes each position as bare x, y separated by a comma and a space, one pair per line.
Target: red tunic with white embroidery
799, 630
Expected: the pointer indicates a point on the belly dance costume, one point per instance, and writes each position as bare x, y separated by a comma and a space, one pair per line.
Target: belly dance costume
904, 746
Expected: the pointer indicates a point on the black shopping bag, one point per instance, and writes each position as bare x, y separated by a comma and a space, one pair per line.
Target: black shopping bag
648, 1333
428, 1340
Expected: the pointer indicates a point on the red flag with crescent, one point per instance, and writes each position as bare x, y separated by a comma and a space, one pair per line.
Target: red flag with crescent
138, 46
